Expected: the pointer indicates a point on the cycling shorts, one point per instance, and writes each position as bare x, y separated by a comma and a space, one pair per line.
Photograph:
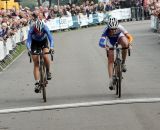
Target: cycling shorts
36, 46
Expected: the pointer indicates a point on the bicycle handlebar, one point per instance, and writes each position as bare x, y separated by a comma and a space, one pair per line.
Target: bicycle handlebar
114, 48
39, 53
129, 52
122, 48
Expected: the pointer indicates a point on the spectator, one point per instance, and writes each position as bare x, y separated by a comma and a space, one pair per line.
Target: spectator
4, 31
100, 7
155, 8
108, 7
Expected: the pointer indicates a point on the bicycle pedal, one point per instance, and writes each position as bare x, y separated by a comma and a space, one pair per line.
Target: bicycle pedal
111, 88
37, 91
46, 82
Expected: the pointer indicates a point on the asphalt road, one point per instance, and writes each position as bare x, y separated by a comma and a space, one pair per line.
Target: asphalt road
80, 76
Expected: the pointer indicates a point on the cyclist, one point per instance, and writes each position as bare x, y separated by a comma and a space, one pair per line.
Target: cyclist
112, 34
37, 40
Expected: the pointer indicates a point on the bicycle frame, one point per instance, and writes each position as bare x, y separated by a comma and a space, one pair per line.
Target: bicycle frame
117, 69
117, 72
42, 70
43, 79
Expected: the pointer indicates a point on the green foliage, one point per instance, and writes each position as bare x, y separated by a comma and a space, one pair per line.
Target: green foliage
29, 3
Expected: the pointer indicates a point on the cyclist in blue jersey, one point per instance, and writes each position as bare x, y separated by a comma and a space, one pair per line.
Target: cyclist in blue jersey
113, 34
38, 36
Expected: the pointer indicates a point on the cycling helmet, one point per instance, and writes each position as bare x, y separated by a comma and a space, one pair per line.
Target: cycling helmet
112, 23
39, 25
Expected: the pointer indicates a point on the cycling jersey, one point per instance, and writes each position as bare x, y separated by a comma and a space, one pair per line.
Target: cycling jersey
114, 38
32, 35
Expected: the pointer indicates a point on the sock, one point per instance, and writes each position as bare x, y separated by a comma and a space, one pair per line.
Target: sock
37, 81
110, 79
47, 68
123, 61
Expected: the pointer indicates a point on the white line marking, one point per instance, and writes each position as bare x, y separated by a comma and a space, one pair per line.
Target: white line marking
83, 104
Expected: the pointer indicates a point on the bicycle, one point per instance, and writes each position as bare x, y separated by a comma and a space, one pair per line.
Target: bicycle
42, 69
117, 69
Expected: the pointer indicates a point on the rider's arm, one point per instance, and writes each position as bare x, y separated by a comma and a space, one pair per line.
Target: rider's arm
129, 36
29, 38
102, 40
122, 29
50, 37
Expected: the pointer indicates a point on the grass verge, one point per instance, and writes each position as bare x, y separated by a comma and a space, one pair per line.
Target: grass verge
13, 54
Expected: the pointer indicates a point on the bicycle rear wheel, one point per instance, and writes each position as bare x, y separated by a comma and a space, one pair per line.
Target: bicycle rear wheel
43, 82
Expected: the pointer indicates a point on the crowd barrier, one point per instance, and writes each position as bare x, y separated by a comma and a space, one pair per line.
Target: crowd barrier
8, 48
61, 23
81, 20
11, 42
155, 23
137, 13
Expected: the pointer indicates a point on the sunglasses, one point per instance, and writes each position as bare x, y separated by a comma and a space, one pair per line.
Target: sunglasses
113, 29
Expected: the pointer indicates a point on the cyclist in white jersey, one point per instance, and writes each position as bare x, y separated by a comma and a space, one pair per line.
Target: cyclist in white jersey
113, 34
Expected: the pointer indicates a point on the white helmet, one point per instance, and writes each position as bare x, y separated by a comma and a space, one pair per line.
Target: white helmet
112, 23
39, 25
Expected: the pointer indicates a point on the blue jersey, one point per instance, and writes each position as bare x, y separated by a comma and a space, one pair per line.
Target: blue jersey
39, 37
114, 38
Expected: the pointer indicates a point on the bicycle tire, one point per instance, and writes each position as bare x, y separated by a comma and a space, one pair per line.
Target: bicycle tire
115, 73
117, 84
119, 78
42, 82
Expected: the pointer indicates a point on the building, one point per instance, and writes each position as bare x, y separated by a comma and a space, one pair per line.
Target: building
8, 4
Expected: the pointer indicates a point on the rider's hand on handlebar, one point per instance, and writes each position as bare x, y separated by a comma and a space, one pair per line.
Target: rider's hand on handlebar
129, 37
130, 46
52, 51
107, 47
29, 52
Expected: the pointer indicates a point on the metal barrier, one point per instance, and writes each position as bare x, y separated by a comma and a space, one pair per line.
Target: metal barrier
137, 13
76, 23
155, 23
9, 58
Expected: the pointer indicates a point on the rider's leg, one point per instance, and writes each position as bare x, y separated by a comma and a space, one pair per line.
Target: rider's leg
110, 68
124, 43
36, 72
36, 67
46, 59
47, 63
110, 63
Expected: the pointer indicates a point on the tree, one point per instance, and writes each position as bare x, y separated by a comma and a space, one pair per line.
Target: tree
50, 3
29, 3
39, 2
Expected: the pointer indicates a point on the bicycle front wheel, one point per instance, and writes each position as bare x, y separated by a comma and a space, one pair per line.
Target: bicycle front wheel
43, 82
119, 78
115, 78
